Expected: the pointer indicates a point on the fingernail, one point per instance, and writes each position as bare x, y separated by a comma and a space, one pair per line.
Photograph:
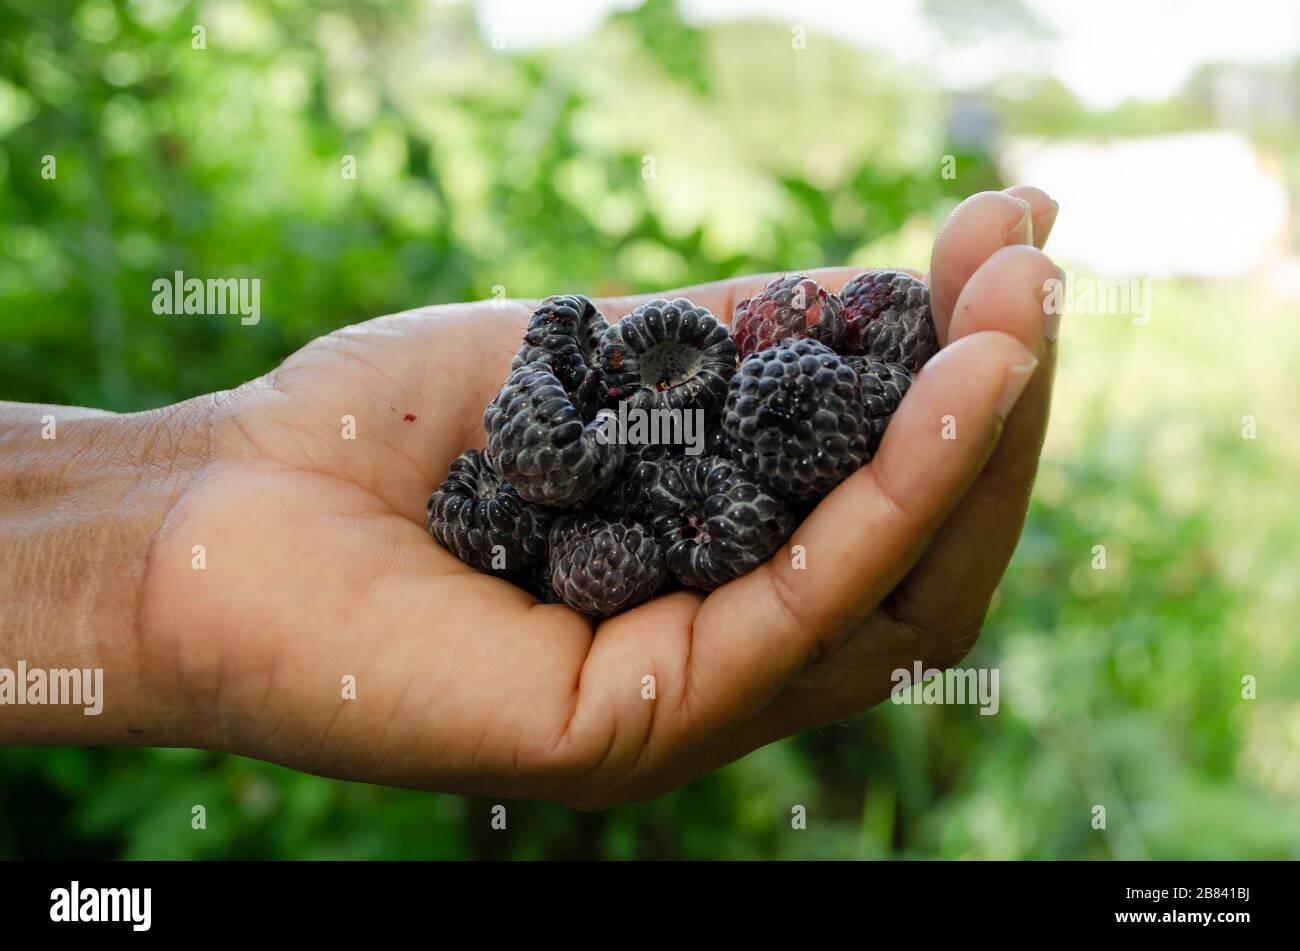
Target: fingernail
1022, 232
1043, 223
1015, 383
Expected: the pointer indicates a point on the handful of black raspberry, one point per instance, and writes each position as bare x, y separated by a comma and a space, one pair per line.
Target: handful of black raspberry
668, 449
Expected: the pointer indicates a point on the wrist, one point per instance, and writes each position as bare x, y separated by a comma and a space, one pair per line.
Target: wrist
82, 494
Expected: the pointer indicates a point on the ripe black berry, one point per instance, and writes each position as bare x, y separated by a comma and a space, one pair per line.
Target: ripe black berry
600, 566
565, 333
714, 522
627, 494
883, 387
889, 319
539, 442
668, 355
794, 418
483, 521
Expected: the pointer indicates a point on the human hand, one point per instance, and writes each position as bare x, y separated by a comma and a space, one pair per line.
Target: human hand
317, 566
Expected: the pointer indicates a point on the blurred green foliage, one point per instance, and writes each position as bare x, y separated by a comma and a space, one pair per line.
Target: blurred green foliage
651, 154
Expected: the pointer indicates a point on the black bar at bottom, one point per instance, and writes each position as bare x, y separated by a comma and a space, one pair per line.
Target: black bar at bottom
333, 899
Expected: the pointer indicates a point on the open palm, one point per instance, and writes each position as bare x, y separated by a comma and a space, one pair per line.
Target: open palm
316, 572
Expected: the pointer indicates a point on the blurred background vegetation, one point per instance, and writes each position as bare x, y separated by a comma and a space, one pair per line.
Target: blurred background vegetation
657, 147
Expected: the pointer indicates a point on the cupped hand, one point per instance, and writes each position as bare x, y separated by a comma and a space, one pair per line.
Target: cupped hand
296, 610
